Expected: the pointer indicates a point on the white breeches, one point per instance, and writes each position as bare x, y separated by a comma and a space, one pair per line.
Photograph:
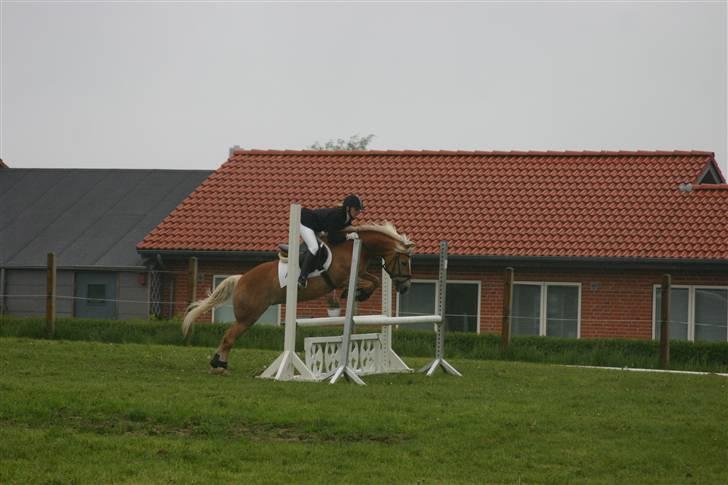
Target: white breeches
309, 237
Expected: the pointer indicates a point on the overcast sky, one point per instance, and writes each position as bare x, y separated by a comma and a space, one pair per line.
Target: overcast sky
176, 84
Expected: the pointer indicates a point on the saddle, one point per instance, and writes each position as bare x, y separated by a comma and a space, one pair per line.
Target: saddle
321, 256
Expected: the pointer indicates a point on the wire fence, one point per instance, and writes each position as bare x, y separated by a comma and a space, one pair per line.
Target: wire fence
534, 307
519, 318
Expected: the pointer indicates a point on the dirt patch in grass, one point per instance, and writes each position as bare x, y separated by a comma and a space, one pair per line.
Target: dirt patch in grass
249, 431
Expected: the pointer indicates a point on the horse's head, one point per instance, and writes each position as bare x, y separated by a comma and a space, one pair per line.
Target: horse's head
398, 266
395, 249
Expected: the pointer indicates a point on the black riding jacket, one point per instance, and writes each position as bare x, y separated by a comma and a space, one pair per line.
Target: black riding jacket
330, 220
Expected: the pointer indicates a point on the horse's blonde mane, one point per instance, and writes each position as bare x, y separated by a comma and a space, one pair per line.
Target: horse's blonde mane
386, 228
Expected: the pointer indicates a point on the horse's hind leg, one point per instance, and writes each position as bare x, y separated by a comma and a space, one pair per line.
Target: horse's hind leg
219, 362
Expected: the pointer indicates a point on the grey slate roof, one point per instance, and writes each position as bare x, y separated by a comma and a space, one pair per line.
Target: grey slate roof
88, 217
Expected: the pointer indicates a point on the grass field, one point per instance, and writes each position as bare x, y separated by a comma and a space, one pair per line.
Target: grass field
84, 412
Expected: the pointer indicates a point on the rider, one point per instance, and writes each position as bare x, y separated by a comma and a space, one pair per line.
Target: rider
333, 220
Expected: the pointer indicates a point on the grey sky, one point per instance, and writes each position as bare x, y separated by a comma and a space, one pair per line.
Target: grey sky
174, 85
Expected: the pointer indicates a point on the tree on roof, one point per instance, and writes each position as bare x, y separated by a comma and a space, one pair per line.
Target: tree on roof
355, 142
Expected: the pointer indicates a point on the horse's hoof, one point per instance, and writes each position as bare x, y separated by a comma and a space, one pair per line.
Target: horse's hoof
220, 371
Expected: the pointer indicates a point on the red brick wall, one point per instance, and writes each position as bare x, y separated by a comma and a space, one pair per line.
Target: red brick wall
614, 303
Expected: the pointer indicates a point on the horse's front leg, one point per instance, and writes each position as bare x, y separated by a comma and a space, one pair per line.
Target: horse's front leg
366, 284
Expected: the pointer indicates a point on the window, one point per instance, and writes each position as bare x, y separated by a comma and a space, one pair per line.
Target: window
462, 304
546, 309
96, 294
710, 175
696, 313
679, 311
420, 299
224, 313
462, 301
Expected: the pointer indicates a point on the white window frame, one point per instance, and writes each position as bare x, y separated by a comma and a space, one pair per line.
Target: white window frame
543, 303
691, 307
214, 277
437, 291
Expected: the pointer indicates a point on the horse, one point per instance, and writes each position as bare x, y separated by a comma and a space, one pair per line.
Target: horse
253, 292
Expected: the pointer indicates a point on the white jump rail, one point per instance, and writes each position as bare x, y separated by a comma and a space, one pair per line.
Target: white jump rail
368, 320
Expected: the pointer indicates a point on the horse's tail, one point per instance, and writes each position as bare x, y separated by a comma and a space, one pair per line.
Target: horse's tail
223, 291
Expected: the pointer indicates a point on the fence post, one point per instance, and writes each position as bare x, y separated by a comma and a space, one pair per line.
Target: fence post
665, 322
507, 299
51, 296
192, 281
192, 287
2, 292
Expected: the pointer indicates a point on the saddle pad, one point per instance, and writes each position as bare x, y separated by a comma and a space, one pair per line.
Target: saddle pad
283, 267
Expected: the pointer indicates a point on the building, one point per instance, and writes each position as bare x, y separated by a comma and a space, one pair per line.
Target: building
92, 221
589, 234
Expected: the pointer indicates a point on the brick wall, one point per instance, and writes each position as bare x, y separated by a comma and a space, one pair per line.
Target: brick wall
614, 303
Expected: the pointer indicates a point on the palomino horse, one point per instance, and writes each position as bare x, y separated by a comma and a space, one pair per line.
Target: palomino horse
254, 291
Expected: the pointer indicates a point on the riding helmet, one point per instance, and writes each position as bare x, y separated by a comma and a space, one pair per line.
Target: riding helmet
354, 201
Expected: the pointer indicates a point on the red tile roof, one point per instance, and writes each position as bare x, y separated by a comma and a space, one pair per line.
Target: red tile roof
546, 204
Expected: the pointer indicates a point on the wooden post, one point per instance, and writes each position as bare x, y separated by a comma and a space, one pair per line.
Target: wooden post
507, 299
192, 287
51, 296
665, 322
2, 292
192, 282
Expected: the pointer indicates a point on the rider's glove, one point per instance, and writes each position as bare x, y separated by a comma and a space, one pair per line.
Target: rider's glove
352, 235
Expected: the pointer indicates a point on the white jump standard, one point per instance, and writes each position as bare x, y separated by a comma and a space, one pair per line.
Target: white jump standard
344, 369
285, 366
440, 328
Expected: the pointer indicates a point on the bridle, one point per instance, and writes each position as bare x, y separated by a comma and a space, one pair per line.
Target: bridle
393, 267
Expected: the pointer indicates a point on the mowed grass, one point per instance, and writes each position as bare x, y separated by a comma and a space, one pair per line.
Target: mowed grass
84, 412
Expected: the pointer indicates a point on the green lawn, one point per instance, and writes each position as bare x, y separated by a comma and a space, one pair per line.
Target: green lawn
83, 412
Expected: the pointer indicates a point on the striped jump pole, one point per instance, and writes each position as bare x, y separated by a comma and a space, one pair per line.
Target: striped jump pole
440, 361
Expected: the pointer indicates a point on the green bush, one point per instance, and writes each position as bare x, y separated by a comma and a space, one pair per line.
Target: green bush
699, 356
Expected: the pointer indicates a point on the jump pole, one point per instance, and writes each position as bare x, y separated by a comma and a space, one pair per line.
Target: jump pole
285, 366
440, 361
344, 368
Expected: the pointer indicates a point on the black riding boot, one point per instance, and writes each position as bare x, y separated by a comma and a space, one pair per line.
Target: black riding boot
307, 265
